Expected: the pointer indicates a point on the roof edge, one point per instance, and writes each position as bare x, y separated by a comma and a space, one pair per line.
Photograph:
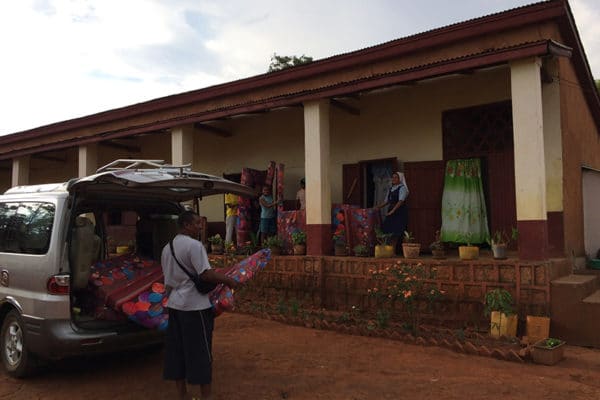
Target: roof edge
418, 42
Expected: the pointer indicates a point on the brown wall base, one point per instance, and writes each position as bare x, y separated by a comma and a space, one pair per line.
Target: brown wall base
533, 239
556, 234
341, 283
318, 239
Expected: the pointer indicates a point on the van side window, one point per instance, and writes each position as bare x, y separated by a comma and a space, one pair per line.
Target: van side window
25, 227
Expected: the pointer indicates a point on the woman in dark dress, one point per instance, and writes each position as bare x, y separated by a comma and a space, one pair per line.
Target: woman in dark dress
396, 220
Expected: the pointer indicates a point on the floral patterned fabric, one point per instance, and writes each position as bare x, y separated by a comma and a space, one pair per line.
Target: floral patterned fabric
464, 216
289, 222
149, 308
247, 210
339, 223
222, 297
362, 223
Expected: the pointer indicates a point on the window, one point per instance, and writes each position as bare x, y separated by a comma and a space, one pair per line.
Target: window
26, 227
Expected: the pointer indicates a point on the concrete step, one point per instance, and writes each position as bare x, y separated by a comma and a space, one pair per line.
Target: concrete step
574, 310
573, 288
594, 298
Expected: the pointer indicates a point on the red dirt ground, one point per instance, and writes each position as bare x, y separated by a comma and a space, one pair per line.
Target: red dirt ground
266, 360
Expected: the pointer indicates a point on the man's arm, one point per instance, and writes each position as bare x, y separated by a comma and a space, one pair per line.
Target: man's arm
210, 275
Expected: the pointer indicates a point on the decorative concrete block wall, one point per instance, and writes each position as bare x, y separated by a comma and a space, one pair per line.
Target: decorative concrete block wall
339, 283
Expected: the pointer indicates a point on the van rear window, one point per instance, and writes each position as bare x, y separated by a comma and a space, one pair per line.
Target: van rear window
26, 227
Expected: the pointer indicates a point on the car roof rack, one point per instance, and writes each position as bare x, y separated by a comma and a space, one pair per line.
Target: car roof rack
127, 163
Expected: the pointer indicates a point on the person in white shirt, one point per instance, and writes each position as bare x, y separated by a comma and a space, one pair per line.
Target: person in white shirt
188, 349
301, 195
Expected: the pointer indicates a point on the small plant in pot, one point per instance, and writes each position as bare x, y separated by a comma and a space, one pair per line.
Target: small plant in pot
499, 307
438, 250
384, 248
410, 248
499, 242
468, 251
339, 241
299, 242
274, 243
216, 244
229, 248
548, 351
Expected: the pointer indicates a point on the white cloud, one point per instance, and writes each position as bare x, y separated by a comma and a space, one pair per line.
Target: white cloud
68, 58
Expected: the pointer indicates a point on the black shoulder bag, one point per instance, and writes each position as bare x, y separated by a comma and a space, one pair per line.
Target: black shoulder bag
202, 286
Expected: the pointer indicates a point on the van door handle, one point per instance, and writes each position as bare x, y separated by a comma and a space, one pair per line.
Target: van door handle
4, 277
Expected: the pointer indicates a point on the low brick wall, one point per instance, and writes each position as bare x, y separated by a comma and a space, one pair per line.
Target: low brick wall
339, 283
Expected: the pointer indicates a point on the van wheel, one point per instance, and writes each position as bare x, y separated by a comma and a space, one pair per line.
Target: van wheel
17, 360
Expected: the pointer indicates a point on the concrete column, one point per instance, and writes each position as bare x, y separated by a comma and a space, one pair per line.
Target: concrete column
553, 158
20, 171
318, 187
182, 145
530, 166
87, 159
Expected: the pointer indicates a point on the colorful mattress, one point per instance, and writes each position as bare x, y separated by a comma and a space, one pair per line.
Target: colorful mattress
149, 308
118, 280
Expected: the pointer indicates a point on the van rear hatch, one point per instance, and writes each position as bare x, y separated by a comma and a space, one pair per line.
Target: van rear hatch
152, 179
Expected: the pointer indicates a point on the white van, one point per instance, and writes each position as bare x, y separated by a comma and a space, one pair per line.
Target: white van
50, 237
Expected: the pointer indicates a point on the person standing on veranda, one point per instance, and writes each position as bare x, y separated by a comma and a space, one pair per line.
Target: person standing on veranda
188, 340
301, 195
231, 215
396, 219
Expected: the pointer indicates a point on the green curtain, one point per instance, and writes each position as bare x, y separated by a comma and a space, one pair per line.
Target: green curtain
464, 217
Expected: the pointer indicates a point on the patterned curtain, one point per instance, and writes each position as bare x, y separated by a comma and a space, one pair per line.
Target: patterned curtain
464, 217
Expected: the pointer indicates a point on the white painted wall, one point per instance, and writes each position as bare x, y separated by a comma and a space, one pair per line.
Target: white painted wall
404, 122
591, 211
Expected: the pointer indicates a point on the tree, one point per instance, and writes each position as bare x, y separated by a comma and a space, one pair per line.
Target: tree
282, 62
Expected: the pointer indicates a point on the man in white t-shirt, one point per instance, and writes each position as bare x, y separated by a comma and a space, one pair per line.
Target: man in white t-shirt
188, 349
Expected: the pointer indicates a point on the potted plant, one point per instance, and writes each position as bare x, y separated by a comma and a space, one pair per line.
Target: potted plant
299, 242
383, 248
229, 248
468, 251
438, 250
548, 351
339, 240
410, 248
274, 243
499, 307
499, 242
216, 244
360, 250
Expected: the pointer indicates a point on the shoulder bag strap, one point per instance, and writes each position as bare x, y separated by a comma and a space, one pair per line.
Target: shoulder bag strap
188, 273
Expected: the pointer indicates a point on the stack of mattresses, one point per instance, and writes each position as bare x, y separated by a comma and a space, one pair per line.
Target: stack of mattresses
361, 226
120, 279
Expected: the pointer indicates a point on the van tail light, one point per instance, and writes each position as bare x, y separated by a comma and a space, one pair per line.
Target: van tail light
59, 284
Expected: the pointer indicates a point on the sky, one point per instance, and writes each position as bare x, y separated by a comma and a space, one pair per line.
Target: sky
63, 59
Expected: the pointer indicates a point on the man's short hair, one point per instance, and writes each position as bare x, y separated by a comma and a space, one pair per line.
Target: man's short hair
186, 217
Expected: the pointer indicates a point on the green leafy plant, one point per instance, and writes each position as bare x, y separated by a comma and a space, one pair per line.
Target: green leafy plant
251, 245
408, 237
500, 237
382, 318
551, 343
299, 237
361, 250
382, 238
437, 244
273, 241
339, 236
498, 300
229, 247
406, 284
216, 239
